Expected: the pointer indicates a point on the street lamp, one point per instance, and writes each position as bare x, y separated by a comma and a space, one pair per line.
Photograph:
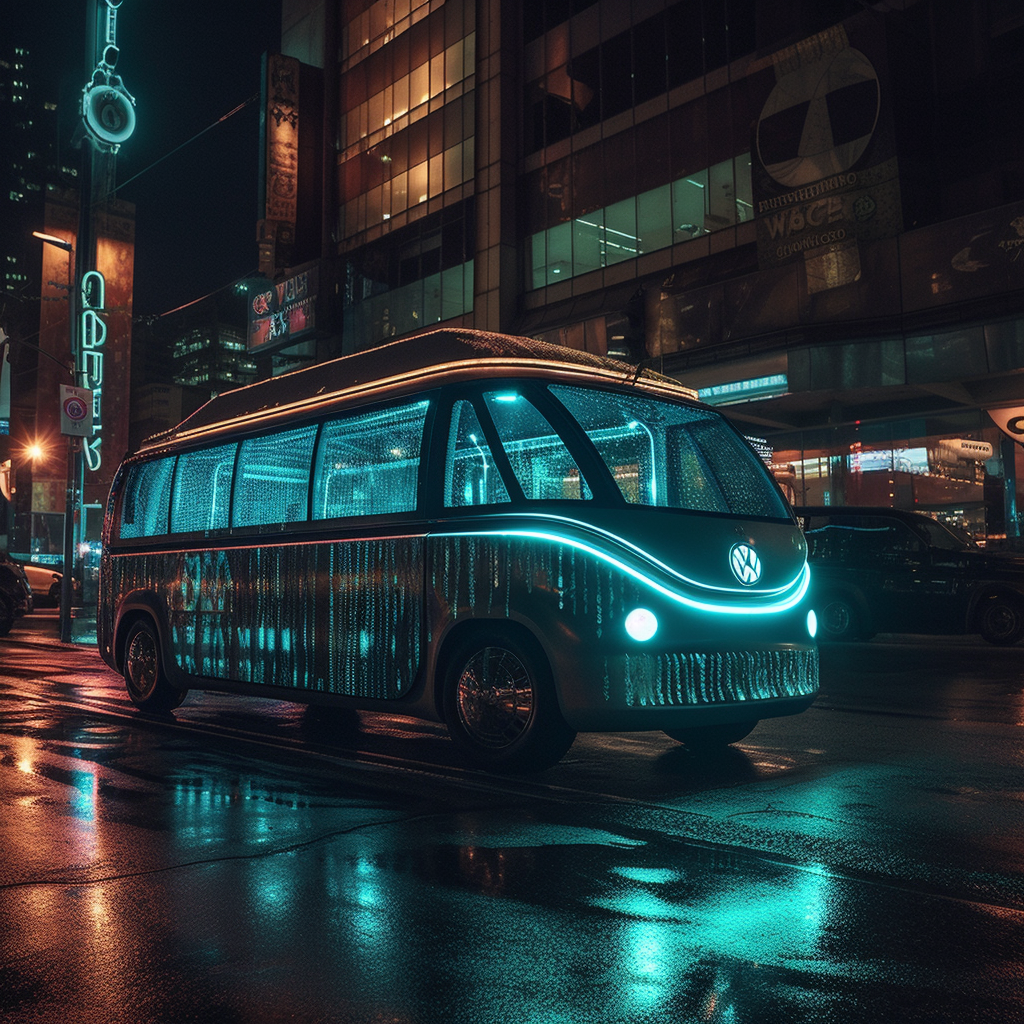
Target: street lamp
75, 464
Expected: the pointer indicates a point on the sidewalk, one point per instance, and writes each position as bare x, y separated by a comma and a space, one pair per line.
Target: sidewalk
43, 625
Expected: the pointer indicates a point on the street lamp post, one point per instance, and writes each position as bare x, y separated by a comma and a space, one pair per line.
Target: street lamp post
75, 464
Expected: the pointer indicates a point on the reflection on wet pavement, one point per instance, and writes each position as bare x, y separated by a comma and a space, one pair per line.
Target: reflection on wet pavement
171, 883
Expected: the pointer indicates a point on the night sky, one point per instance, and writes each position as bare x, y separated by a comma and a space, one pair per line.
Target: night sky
186, 65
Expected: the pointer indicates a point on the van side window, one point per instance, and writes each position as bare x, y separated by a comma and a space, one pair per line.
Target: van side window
147, 493
542, 464
471, 476
368, 464
202, 489
272, 481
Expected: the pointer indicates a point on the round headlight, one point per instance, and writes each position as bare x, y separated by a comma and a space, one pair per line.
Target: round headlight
641, 624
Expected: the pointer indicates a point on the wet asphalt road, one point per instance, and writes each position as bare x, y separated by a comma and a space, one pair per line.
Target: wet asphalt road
246, 861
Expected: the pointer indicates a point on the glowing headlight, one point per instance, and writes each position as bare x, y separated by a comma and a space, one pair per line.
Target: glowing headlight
812, 623
641, 624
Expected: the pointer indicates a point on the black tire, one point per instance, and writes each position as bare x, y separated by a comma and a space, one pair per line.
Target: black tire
7, 615
500, 705
144, 675
839, 619
712, 737
1001, 620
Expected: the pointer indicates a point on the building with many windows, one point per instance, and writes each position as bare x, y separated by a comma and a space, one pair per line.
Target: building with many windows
31, 163
813, 213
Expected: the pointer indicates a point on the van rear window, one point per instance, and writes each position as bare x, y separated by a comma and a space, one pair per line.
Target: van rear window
147, 492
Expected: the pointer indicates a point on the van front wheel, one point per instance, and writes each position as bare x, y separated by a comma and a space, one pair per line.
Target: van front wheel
144, 675
500, 706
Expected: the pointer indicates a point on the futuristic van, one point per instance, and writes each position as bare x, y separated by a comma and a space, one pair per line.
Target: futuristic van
515, 539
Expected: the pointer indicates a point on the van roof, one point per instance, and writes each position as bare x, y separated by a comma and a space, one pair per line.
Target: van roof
430, 354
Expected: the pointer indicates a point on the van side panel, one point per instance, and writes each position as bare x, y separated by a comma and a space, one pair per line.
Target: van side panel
343, 617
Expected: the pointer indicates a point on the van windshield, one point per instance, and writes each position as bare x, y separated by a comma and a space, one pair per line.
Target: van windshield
673, 456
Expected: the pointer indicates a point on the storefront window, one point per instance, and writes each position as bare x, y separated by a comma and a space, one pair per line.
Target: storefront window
966, 478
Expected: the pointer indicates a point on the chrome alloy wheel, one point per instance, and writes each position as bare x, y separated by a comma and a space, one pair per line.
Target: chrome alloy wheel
142, 665
495, 697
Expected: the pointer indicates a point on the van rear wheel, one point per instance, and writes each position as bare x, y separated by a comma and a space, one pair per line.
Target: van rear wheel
500, 705
144, 675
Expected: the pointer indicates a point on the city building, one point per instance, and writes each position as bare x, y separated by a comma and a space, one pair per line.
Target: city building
812, 213
31, 160
212, 358
40, 164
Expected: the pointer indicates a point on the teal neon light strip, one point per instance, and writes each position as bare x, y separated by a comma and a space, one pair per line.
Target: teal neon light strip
803, 579
648, 557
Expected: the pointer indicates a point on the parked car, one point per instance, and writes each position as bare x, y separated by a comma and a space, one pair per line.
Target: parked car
882, 569
15, 592
45, 584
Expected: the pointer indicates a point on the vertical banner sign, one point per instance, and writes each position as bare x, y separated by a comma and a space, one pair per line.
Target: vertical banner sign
92, 333
281, 198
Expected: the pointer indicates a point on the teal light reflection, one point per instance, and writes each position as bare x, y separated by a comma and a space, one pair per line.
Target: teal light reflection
648, 557
83, 795
801, 582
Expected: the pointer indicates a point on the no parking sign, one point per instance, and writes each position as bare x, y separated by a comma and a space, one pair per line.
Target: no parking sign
75, 411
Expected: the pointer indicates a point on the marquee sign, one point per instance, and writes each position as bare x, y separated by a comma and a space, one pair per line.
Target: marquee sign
281, 312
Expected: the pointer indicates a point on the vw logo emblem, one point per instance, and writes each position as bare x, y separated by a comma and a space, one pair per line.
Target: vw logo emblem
745, 564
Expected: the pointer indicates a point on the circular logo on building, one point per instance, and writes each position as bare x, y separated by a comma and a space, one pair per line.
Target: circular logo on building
745, 564
819, 118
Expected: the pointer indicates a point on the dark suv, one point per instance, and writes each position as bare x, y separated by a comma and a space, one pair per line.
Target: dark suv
881, 569
15, 593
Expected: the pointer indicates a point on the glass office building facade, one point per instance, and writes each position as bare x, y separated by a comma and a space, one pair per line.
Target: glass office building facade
811, 213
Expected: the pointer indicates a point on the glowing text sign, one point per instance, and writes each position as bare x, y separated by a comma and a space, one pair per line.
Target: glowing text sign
92, 334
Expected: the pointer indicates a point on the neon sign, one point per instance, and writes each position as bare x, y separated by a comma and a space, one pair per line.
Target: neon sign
108, 109
92, 334
283, 311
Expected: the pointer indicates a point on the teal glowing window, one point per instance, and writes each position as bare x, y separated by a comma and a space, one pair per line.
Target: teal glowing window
673, 456
471, 476
542, 464
147, 493
202, 489
272, 480
369, 464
